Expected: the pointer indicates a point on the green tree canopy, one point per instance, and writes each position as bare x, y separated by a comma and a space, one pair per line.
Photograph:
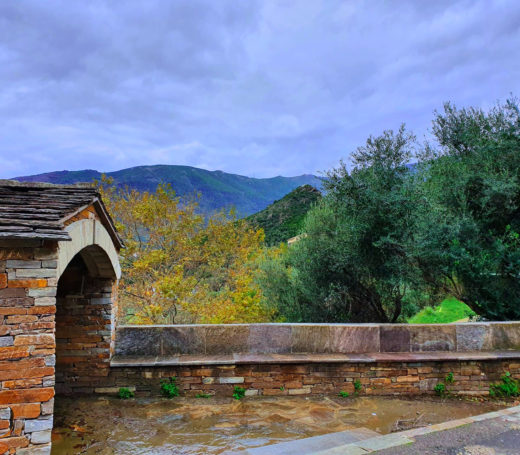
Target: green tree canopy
468, 242
353, 263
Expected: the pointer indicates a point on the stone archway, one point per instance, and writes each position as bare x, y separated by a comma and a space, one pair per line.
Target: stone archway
58, 278
85, 233
86, 305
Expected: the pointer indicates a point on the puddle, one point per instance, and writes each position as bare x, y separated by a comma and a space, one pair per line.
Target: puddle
109, 426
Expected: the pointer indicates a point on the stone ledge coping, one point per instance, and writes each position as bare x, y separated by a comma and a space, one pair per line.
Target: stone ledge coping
322, 339
244, 359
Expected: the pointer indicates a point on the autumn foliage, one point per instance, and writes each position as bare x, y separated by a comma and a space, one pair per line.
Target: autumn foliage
181, 267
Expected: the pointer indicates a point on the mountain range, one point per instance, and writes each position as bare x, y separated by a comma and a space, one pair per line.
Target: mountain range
217, 189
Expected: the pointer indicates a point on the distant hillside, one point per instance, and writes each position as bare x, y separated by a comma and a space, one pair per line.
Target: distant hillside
218, 189
283, 219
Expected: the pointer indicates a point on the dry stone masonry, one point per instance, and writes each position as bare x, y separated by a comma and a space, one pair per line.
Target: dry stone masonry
304, 359
54, 275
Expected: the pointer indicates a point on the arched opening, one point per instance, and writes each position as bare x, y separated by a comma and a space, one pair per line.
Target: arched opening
84, 320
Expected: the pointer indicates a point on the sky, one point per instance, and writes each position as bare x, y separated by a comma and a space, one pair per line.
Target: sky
259, 88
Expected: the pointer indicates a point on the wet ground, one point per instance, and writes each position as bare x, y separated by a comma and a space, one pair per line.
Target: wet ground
101, 425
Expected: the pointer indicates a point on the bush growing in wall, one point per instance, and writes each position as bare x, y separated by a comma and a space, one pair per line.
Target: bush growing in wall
239, 393
125, 393
169, 388
509, 387
441, 389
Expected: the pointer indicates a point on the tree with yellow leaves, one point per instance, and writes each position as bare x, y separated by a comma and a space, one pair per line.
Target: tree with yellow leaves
179, 267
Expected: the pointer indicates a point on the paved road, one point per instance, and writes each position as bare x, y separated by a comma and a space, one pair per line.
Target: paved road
499, 436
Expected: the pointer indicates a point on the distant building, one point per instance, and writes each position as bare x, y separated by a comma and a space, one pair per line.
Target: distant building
295, 239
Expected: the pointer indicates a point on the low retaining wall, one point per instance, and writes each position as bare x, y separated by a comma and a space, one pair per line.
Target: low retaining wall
303, 359
379, 378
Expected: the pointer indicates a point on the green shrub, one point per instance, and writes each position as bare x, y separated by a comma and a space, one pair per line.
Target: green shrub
238, 393
343, 394
440, 389
357, 386
169, 388
125, 393
203, 395
507, 388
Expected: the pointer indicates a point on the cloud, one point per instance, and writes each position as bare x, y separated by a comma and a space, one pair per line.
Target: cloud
259, 87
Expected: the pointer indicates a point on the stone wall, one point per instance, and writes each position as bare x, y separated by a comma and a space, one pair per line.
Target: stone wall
27, 308
378, 378
33, 305
301, 359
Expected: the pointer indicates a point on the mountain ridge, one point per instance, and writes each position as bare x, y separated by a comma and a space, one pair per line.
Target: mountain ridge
218, 189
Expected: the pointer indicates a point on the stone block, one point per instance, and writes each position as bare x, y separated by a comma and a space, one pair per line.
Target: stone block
42, 292
28, 283
35, 273
52, 264
25, 410
474, 337
5, 413
33, 340
13, 352
45, 301
44, 449
26, 395
353, 338
41, 437
12, 293
310, 338
428, 384
231, 380
101, 301
47, 407
505, 335
183, 340
143, 341
269, 338
394, 338
16, 264
6, 341
434, 337
230, 339
302, 391
49, 382
38, 424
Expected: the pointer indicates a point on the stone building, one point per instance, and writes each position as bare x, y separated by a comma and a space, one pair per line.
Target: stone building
58, 278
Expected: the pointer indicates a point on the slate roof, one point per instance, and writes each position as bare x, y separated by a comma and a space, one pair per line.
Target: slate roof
39, 210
